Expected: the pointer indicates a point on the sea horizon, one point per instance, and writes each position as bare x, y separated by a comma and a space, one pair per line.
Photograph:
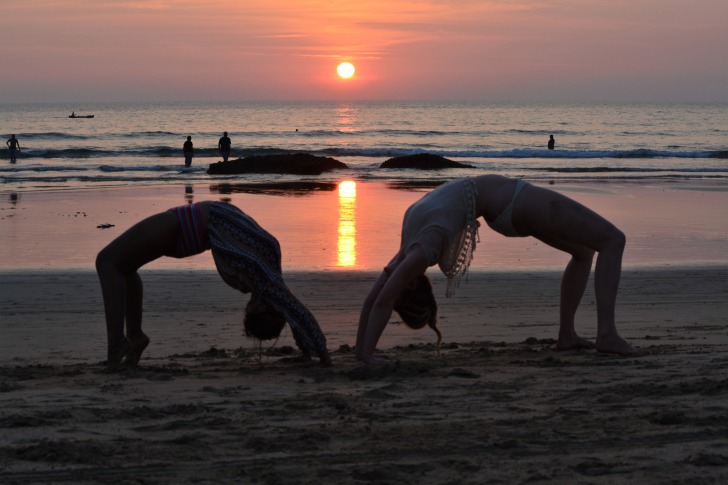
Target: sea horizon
140, 143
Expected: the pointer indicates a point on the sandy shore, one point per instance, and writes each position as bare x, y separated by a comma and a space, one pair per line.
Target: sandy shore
501, 406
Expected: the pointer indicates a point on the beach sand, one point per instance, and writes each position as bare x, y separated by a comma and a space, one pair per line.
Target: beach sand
207, 405
500, 406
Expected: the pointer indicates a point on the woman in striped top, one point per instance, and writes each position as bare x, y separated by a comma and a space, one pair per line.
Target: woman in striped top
247, 257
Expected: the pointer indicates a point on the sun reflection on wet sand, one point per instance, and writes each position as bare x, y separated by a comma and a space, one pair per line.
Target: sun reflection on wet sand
357, 228
346, 242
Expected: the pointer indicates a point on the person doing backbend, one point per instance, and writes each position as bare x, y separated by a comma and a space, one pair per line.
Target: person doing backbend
247, 257
441, 228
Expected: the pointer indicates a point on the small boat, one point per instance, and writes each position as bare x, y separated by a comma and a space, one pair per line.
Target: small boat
74, 115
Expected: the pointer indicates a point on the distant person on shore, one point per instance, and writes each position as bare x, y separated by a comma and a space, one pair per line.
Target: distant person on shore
14, 147
223, 146
441, 228
552, 142
247, 257
188, 150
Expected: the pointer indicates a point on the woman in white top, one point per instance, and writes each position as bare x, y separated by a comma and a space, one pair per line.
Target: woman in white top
441, 228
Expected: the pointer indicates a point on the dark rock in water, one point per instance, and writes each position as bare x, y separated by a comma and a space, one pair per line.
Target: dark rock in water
423, 161
294, 188
297, 163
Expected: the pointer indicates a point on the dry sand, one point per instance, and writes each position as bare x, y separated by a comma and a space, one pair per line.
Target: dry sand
501, 406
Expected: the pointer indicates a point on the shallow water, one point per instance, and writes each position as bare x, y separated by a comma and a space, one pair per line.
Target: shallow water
356, 226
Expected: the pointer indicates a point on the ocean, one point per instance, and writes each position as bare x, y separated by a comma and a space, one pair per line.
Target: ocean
128, 144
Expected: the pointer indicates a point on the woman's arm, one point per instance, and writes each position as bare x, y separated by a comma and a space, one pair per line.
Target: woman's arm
378, 306
366, 310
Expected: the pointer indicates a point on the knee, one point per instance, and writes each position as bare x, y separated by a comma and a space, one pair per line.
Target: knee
613, 243
104, 261
618, 240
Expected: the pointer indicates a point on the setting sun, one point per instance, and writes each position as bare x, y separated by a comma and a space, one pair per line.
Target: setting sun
345, 70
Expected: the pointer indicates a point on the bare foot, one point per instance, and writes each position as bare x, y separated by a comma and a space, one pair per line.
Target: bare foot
615, 344
138, 344
375, 360
117, 352
573, 342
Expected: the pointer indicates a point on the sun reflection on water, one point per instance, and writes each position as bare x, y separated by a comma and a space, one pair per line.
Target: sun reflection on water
346, 243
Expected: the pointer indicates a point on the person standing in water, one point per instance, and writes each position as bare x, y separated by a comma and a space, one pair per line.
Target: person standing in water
14, 147
223, 146
552, 142
187, 149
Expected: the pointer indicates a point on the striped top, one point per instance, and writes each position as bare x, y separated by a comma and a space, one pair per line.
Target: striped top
192, 237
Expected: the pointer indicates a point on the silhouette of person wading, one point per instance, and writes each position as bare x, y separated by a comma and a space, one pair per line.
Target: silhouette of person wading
14, 146
223, 146
188, 151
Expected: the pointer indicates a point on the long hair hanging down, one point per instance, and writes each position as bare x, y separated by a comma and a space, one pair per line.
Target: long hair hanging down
262, 321
417, 307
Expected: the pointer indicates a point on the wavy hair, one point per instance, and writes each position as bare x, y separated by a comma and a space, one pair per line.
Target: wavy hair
417, 307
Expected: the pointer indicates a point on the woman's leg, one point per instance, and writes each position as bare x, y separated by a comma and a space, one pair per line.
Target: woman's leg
133, 304
569, 226
573, 285
133, 314
113, 290
121, 285
607, 274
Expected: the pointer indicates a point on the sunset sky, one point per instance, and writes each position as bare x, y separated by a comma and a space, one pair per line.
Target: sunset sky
491, 50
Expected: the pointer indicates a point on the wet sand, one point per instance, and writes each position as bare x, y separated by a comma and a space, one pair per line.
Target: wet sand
501, 405
321, 227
